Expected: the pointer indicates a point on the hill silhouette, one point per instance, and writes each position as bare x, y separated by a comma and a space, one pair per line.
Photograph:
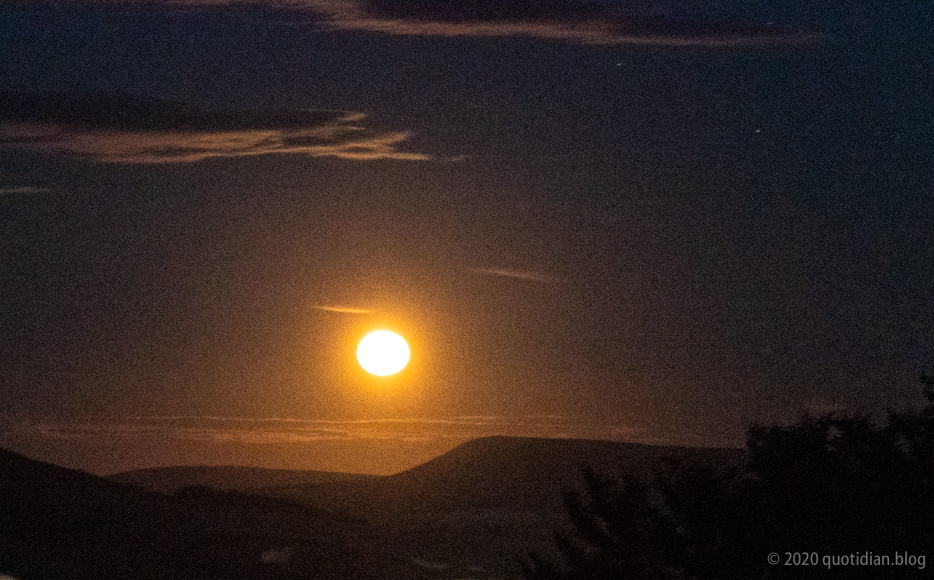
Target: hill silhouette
497, 473
468, 512
490, 499
62, 524
56, 521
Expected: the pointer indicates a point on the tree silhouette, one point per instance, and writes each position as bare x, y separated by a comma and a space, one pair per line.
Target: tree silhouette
828, 485
621, 531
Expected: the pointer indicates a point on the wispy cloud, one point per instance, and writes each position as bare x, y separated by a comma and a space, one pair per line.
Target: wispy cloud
23, 190
245, 430
577, 22
126, 129
517, 274
343, 309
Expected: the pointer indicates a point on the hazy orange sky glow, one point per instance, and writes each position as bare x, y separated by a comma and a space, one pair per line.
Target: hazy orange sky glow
642, 221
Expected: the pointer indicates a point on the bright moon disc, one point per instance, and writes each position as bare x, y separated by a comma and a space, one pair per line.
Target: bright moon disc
383, 353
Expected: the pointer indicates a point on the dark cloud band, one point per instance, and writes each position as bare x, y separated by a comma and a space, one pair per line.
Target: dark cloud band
578, 21
129, 129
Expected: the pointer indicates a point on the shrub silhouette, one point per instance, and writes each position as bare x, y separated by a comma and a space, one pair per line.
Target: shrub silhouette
832, 485
621, 531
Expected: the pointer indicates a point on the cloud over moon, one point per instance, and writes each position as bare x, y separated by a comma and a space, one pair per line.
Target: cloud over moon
128, 129
578, 21
343, 309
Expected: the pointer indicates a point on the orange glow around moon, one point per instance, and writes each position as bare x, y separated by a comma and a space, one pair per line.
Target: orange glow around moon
383, 353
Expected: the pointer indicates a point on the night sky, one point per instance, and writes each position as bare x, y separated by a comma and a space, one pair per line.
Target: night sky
638, 221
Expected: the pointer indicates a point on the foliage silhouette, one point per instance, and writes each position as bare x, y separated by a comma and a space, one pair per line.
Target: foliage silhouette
621, 530
833, 485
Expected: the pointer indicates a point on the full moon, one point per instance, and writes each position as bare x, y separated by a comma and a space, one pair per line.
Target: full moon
383, 353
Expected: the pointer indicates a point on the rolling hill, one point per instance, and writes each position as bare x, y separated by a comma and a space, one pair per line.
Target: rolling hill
499, 474
472, 512
487, 503
61, 524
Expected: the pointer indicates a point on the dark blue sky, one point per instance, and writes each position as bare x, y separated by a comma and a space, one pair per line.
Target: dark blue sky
659, 229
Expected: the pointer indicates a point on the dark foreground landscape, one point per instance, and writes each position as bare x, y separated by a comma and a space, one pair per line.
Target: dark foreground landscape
832, 491
473, 512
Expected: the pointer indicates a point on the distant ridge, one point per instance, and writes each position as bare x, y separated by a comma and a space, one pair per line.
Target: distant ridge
484, 502
58, 523
500, 473
492, 499
16, 468
169, 480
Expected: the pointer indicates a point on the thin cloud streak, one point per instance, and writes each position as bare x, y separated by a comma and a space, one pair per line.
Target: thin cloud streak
126, 129
343, 309
243, 430
23, 190
337, 140
516, 274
